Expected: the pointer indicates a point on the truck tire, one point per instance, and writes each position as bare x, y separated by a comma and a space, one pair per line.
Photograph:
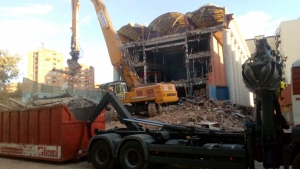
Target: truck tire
132, 156
296, 162
101, 155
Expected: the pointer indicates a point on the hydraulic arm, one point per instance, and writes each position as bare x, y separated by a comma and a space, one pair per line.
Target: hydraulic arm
138, 97
111, 98
261, 76
74, 66
118, 55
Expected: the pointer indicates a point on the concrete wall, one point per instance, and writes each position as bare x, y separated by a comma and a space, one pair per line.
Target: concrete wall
235, 54
217, 76
30, 89
288, 33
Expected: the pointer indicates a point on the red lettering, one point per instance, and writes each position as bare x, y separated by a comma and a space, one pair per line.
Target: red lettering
45, 152
11, 150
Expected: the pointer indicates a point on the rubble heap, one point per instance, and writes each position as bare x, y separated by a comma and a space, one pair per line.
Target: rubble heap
71, 102
196, 111
81, 102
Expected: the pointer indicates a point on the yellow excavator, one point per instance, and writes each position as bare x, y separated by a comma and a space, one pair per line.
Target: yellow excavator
137, 97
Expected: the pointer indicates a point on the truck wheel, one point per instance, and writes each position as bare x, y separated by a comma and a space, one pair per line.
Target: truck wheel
101, 155
132, 156
296, 162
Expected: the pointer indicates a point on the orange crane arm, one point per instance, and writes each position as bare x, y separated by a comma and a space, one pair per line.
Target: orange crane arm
74, 67
75, 16
117, 52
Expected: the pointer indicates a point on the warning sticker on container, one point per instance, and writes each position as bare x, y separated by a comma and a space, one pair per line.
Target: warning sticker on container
31, 150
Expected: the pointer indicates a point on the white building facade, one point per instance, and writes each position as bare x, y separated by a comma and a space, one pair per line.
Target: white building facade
288, 43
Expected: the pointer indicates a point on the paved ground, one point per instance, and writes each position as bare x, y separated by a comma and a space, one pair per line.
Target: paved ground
18, 163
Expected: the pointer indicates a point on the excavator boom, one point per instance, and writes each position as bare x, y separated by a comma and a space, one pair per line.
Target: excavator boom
117, 52
137, 96
75, 16
74, 66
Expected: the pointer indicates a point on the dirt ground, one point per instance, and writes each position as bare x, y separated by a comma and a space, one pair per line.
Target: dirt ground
19, 163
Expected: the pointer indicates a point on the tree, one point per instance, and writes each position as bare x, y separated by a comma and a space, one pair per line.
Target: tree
8, 68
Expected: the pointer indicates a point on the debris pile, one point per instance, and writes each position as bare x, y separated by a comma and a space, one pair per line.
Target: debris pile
81, 102
198, 112
71, 102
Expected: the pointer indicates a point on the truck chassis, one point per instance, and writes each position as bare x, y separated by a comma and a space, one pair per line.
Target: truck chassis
136, 148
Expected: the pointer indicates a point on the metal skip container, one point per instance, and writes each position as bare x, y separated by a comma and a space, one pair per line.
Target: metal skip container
53, 133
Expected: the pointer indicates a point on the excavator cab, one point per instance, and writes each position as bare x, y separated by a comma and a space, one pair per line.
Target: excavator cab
119, 88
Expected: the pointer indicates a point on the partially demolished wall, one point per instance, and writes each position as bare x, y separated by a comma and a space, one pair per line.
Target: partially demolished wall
189, 51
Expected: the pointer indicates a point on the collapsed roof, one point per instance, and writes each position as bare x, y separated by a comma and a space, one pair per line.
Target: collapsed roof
174, 22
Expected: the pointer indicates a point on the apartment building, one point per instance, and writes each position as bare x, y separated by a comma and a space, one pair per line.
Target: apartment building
40, 65
12, 87
287, 42
84, 80
251, 43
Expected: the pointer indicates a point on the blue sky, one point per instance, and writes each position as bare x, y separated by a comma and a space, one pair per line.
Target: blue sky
25, 24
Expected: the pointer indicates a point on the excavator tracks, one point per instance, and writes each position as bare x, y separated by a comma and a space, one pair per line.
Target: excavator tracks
154, 109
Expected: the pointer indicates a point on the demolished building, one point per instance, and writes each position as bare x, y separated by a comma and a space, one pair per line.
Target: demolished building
198, 50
